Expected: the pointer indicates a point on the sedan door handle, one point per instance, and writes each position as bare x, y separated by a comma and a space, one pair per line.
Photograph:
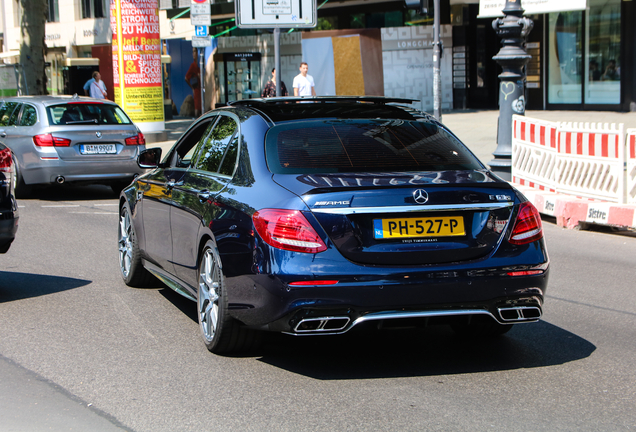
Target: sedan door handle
204, 195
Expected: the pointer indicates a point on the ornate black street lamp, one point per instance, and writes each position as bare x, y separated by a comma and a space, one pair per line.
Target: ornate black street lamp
512, 29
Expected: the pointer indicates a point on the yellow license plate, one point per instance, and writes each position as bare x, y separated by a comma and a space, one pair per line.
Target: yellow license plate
443, 226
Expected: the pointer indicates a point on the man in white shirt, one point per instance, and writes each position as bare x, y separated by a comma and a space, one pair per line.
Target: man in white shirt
303, 83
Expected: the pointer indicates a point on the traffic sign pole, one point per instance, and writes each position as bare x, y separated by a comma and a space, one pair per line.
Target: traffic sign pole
201, 19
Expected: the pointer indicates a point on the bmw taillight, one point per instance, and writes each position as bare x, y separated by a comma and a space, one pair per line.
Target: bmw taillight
288, 230
527, 227
138, 139
5, 160
48, 140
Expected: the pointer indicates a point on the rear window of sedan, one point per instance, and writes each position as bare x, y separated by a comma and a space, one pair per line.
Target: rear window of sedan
86, 113
342, 146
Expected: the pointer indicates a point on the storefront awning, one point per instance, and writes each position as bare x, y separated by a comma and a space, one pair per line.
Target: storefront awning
81, 61
493, 8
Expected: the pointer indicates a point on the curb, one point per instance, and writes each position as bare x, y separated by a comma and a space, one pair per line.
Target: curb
574, 213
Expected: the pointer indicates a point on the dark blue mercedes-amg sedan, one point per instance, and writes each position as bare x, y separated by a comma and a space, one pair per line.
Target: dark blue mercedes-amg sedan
311, 216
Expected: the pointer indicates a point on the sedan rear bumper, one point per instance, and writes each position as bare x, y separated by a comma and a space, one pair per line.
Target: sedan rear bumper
48, 171
338, 308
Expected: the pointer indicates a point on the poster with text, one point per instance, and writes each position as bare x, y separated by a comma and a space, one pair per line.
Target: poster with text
137, 61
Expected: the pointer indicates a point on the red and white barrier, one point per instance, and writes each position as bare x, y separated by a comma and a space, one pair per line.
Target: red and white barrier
630, 166
534, 152
577, 172
572, 212
590, 161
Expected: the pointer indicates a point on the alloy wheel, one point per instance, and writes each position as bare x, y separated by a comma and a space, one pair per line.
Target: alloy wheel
209, 294
125, 242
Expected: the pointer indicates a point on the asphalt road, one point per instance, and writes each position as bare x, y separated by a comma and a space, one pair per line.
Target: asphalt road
81, 351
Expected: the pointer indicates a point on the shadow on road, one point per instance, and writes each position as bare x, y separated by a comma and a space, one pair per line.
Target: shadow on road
422, 352
365, 353
18, 286
186, 306
72, 192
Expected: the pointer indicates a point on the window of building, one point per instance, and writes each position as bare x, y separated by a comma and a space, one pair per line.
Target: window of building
584, 55
53, 12
603, 41
94, 8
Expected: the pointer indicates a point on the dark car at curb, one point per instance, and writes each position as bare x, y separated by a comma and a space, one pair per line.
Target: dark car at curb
8, 205
313, 216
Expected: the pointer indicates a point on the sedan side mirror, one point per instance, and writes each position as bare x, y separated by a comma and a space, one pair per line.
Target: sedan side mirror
149, 158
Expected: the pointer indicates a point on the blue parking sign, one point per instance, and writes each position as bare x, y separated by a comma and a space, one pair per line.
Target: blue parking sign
201, 31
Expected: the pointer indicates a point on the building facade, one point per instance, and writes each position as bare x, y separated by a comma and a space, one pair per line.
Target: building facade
582, 50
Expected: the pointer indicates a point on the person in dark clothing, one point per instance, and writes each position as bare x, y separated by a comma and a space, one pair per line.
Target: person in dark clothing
270, 87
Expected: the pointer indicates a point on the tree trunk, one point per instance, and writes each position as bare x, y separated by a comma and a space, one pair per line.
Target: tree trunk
32, 29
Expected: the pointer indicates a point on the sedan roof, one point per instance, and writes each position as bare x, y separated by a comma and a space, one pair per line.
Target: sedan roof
341, 107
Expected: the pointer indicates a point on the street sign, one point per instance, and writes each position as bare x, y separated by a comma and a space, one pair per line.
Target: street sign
201, 31
276, 13
201, 42
201, 20
200, 9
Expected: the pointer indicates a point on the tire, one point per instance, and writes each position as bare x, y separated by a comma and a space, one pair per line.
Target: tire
130, 266
22, 190
220, 332
480, 327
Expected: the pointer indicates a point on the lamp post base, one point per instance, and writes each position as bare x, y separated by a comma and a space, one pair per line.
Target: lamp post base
502, 166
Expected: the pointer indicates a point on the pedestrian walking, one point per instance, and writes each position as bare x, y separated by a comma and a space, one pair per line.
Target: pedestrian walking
97, 88
193, 78
270, 87
303, 82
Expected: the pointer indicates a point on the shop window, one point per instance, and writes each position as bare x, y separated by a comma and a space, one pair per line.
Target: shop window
565, 75
603, 39
584, 65
93, 8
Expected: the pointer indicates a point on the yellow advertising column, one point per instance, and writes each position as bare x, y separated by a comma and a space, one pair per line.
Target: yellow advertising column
137, 61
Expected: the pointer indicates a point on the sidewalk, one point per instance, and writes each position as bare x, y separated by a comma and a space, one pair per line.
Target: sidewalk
478, 130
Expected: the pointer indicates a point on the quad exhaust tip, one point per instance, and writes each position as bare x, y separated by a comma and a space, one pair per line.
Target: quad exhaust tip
59, 179
322, 324
520, 313
342, 324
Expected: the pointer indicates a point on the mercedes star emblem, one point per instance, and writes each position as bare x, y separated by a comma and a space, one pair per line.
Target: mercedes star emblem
420, 196
98, 134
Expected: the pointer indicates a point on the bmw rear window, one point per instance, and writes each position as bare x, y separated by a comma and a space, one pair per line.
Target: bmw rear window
342, 146
86, 113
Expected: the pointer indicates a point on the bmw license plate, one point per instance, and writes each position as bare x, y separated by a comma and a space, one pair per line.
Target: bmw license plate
91, 149
443, 226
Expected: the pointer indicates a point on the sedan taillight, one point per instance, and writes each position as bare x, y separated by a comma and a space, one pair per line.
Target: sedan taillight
48, 140
5, 160
288, 230
527, 227
138, 139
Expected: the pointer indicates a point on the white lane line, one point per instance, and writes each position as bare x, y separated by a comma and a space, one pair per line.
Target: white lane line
57, 206
104, 205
